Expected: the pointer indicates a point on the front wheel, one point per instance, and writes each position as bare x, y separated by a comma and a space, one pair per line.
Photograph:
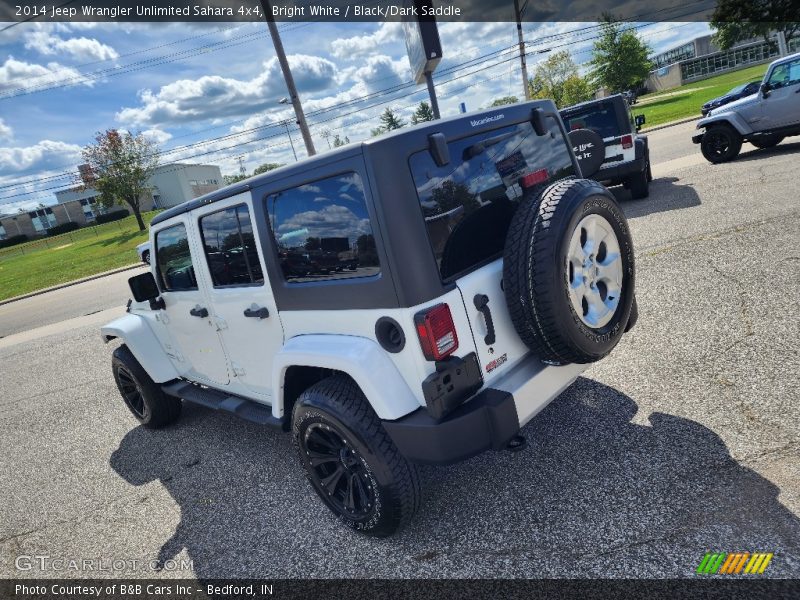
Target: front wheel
350, 460
143, 397
721, 144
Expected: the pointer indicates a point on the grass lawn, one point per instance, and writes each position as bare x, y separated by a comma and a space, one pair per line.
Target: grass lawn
41, 263
685, 101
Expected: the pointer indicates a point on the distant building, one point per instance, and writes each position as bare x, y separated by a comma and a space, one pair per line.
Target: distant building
701, 58
170, 185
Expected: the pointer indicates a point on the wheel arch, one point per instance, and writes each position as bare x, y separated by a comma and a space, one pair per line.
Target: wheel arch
306, 359
135, 332
730, 119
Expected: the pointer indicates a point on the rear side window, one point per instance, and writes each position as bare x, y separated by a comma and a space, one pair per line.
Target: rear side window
600, 118
174, 260
230, 248
322, 230
468, 204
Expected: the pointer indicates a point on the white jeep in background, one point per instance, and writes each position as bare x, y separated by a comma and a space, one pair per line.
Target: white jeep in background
418, 297
763, 119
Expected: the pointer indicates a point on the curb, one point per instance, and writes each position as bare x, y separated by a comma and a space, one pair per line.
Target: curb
671, 124
71, 283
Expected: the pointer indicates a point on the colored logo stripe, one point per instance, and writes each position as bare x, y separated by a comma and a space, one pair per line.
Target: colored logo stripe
732, 563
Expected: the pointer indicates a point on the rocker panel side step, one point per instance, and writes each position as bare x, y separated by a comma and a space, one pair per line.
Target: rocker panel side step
218, 400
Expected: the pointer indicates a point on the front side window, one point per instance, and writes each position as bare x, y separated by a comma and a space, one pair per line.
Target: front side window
230, 248
322, 230
600, 118
174, 260
468, 204
785, 74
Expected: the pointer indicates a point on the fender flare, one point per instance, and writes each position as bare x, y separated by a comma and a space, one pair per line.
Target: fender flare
730, 118
143, 343
360, 358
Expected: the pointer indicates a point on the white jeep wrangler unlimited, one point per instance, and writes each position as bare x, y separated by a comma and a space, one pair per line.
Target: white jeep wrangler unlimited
418, 297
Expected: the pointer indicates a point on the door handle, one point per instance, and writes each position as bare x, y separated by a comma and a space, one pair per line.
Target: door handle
256, 312
481, 302
199, 311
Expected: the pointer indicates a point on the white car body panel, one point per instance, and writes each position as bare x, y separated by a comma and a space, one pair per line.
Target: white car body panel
136, 332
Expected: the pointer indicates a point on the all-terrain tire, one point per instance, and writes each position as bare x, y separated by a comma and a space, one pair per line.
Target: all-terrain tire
765, 142
536, 273
335, 429
143, 397
639, 184
720, 143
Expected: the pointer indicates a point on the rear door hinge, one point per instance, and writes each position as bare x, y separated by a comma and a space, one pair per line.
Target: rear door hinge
220, 323
238, 370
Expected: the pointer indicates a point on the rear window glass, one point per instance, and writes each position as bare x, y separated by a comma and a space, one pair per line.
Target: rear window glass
600, 118
468, 204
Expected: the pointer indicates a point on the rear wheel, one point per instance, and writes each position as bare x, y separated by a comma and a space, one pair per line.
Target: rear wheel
568, 272
350, 460
721, 143
143, 397
639, 184
767, 141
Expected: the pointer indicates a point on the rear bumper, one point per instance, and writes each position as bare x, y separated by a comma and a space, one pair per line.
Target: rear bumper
618, 173
486, 422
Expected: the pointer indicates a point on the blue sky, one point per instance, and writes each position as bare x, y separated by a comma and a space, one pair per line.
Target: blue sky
186, 83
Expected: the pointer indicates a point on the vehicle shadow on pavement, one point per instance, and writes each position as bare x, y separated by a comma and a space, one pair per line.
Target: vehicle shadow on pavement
750, 152
594, 494
665, 195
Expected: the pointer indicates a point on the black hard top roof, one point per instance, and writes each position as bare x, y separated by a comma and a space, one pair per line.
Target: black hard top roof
581, 105
451, 127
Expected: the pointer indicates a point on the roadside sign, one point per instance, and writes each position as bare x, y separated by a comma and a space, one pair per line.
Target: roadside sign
422, 38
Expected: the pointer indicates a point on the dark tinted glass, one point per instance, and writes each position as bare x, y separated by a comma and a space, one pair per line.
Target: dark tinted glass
322, 230
174, 261
468, 204
600, 118
230, 248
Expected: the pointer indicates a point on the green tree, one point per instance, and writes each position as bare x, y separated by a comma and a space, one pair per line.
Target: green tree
451, 194
121, 165
266, 167
229, 179
423, 113
390, 120
504, 100
338, 141
557, 78
620, 58
739, 20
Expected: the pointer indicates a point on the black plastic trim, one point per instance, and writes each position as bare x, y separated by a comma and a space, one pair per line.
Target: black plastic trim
453, 382
487, 422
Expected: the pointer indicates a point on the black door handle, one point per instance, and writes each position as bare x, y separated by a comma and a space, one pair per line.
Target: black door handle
481, 302
256, 313
199, 311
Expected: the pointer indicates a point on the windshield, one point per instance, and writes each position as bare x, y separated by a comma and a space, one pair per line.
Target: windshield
738, 89
600, 118
468, 204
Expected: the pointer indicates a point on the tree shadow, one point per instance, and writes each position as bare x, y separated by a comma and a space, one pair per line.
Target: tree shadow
665, 195
593, 495
122, 238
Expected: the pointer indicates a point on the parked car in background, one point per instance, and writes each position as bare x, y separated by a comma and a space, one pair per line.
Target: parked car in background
740, 91
762, 119
143, 250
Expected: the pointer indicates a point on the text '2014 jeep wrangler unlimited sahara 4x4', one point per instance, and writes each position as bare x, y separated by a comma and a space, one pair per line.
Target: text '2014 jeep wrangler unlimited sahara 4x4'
418, 297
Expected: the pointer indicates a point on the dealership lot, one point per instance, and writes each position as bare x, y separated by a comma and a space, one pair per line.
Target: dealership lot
685, 440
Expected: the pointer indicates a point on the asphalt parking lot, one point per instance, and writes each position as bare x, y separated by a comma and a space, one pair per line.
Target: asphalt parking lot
683, 441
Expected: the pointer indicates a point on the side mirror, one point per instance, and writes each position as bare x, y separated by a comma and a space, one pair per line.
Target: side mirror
537, 120
765, 89
439, 150
144, 288
639, 120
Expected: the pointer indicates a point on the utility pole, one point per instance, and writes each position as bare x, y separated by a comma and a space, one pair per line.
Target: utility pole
287, 75
432, 94
783, 50
242, 170
518, 14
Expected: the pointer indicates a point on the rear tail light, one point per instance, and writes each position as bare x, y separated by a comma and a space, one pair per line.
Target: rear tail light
437, 332
627, 142
535, 178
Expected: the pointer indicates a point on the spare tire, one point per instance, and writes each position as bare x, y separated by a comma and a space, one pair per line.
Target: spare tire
589, 149
568, 272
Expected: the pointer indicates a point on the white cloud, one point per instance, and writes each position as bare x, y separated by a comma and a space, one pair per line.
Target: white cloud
42, 156
82, 48
6, 133
157, 135
20, 75
365, 45
214, 96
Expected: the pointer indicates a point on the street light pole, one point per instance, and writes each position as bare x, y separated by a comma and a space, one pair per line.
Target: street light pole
287, 75
518, 15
